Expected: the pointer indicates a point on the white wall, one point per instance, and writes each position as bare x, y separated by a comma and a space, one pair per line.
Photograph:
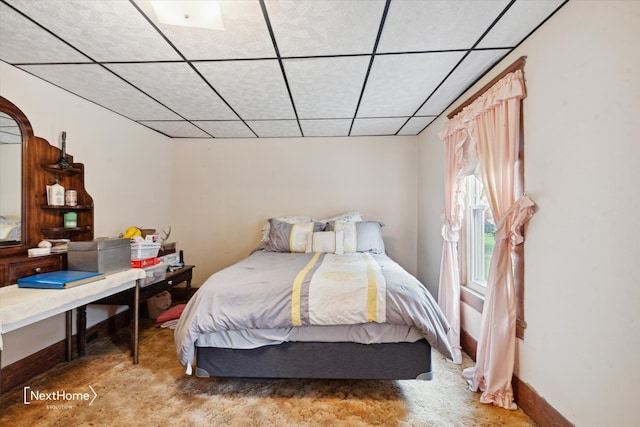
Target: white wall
225, 190
127, 172
430, 205
582, 276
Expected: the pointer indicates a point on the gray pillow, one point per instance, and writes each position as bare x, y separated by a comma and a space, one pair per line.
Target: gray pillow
280, 235
368, 236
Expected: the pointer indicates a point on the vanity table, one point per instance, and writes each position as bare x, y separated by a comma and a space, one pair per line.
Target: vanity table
24, 306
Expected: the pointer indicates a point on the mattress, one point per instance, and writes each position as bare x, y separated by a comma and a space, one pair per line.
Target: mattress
366, 333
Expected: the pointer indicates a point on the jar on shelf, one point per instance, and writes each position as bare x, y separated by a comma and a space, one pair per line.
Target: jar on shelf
71, 198
55, 194
70, 220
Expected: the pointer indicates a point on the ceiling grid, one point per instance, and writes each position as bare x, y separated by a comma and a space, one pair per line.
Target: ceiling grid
279, 69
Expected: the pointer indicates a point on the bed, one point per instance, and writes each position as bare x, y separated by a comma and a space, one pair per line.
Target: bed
318, 299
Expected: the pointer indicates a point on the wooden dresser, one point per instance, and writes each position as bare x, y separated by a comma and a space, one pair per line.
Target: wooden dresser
40, 164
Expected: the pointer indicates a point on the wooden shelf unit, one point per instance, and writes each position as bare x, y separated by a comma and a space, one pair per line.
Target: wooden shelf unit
46, 222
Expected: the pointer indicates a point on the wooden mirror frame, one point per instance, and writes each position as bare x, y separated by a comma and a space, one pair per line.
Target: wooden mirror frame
26, 131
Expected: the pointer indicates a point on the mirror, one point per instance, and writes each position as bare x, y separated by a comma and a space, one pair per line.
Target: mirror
15, 134
10, 181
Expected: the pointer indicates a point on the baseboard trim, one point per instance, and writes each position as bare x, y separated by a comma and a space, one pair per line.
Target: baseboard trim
468, 344
25, 369
535, 406
525, 396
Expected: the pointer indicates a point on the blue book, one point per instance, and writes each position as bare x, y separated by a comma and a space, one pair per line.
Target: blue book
62, 279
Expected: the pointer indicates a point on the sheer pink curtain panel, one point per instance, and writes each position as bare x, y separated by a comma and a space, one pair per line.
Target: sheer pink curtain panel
452, 215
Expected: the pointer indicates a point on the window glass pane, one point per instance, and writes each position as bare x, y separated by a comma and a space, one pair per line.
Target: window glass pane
477, 245
488, 244
480, 240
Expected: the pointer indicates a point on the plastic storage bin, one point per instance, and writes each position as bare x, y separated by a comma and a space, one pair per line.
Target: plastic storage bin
155, 274
144, 250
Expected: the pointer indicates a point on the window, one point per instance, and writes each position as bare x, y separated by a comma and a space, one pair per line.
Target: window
479, 240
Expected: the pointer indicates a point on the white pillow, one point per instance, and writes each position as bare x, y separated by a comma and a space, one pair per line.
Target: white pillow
348, 230
324, 241
339, 242
300, 237
331, 242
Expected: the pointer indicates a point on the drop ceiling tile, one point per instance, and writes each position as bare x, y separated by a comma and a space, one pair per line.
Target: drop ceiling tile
326, 127
245, 33
255, 89
330, 27
326, 87
225, 129
437, 25
176, 129
22, 41
415, 125
399, 84
518, 22
178, 87
378, 126
104, 30
473, 67
275, 128
93, 82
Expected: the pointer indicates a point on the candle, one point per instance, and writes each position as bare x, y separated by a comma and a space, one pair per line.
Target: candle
64, 144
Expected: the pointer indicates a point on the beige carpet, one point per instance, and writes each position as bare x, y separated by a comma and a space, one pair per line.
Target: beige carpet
158, 393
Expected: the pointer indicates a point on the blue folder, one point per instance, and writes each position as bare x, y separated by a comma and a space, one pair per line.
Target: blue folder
59, 279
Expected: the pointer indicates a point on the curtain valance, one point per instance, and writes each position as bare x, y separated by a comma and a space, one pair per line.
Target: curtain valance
510, 86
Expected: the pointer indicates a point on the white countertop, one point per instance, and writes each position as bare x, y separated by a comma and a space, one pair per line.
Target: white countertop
23, 306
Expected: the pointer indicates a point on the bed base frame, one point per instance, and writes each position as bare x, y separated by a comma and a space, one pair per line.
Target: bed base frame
343, 360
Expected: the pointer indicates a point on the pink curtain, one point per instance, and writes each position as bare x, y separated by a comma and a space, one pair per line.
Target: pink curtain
493, 124
456, 140
449, 289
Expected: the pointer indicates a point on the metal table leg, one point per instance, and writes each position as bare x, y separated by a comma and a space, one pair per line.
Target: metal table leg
69, 335
135, 324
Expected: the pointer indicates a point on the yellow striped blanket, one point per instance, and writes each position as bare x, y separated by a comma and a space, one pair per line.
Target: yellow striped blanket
337, 289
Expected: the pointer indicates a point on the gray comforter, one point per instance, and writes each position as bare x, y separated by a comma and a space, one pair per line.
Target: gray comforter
255, 293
